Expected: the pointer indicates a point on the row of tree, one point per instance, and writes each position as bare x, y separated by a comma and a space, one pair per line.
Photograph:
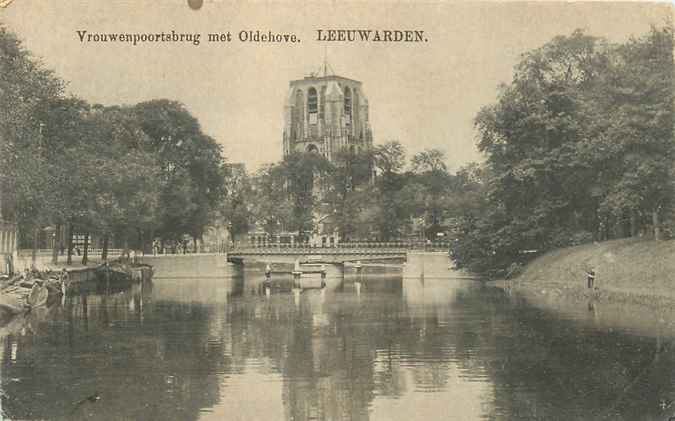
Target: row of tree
367, 193
579, 147
132, 173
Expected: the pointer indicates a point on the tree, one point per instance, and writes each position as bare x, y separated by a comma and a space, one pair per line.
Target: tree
127, 178
304, 174
389, 158
238, 202
271, 206
192, 166
429, 160
638, 128
394, 202
24, 175
350, 173
434, 187
578, 146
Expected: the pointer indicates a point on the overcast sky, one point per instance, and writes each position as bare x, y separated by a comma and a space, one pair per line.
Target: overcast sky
423, 94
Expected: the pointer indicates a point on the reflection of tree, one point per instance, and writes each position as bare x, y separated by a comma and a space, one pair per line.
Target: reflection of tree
159, 369
388, 377
160, 354
326, 362
544, 367
337, 352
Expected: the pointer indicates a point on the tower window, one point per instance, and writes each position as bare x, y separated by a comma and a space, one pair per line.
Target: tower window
298, 116
312, 105
348, 104
322, 103
355, 105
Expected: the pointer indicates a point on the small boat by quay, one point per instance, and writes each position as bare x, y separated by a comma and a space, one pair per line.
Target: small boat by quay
9, 311
18, 298
118, 271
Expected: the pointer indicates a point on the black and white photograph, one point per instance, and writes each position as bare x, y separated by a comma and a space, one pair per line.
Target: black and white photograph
337, 210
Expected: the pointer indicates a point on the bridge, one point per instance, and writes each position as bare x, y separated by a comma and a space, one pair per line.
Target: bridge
427, 263
329, 255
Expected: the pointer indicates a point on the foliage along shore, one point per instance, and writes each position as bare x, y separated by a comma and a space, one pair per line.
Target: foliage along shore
126, 174
579, 148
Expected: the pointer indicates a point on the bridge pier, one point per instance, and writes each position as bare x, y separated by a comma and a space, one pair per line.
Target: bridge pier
426, 264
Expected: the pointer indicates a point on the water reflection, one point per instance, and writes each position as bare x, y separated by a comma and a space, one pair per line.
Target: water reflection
374, 347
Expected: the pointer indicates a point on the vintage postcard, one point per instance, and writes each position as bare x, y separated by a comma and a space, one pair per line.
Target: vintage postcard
323, 210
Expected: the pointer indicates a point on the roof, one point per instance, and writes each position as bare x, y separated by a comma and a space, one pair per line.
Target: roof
324, 78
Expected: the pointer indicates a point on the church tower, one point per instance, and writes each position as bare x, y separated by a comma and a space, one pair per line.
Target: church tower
325, 113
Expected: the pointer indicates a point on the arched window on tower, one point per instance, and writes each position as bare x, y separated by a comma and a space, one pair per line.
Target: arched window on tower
348, 105
322, 103
298, 117
355, 107
312, 106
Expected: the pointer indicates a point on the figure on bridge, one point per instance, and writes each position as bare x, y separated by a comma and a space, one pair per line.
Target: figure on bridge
323, 275
268, 278
297, 271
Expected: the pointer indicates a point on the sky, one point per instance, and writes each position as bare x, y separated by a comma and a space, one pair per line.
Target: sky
424, 95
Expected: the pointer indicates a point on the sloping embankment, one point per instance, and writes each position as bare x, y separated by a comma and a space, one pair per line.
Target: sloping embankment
634, 286
632, 266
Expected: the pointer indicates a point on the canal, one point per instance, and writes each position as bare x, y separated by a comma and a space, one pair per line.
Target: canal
385, 347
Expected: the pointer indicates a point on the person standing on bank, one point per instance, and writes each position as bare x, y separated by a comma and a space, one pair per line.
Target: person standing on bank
590, 278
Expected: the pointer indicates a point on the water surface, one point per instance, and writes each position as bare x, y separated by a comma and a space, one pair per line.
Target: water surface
217, 347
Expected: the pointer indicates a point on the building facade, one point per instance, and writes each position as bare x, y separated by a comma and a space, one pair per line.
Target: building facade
324, 114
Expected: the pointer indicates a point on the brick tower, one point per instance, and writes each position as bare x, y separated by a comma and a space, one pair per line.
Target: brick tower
324, 113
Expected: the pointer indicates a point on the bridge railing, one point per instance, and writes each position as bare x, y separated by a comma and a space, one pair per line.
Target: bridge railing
368, 247
409, 245
91, 251
356, 244
318, 251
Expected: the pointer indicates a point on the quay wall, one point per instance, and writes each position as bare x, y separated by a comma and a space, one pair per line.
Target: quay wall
23, 259
187, 265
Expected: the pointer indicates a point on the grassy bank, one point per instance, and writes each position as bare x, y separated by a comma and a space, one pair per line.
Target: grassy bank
630, 266
634, 286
